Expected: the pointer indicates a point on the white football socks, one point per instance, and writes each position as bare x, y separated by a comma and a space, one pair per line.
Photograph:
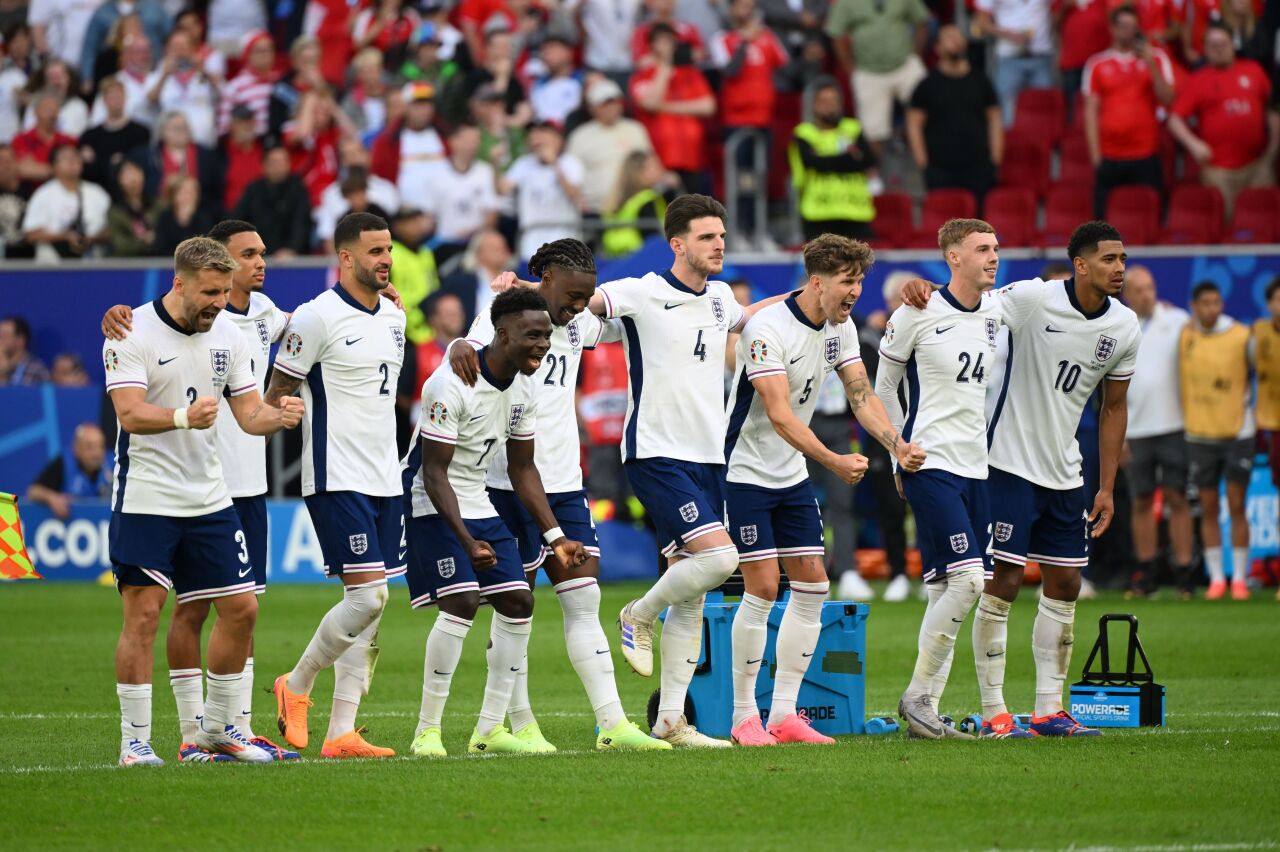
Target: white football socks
990, 636
681, 647
510, 644
797, 639
1213, 562
341, 626
940, 627
588, 649
351, 681
686, 579
1239, 564
1051, 642
135, 711
934, 591
244, 719
750, 631
188, 692
224, 700
444, 650
519, 709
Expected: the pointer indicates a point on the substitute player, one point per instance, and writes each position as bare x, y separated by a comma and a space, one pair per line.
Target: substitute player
676, 325
1065, 338
172, 523
460, 548
785, 353
945, 352
567, 272
244, 469
1266, 338
347, 345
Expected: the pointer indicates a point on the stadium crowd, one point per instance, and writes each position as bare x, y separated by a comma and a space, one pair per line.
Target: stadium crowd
127, 125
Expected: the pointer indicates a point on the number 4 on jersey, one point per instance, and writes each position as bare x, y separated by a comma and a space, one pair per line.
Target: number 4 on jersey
700, 348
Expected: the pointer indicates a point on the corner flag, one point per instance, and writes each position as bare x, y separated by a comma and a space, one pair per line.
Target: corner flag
15, 564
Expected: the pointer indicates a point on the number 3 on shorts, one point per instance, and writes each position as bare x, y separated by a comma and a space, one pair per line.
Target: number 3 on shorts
244, 547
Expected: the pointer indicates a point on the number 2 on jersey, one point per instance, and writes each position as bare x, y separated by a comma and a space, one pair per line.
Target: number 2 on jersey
386, 376
191, 396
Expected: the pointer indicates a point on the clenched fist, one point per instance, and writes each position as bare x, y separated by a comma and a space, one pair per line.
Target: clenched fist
291, 410
202, 412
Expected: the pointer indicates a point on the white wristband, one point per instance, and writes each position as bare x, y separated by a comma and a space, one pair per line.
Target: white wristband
552, 535
180, 420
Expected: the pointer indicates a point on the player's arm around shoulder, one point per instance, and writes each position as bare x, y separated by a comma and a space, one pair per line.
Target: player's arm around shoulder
621, 298
305, 341
464, 353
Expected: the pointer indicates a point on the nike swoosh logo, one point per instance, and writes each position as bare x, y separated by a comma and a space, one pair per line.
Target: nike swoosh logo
515, 668
1053, 330
943, 330
810, 654
997, 654
753, 662
164, 361
793, 360
401, 555
357, 340
691, 662
605, 651
958, 620
245, 572
136, 725
474, 419
443, 674
669, 307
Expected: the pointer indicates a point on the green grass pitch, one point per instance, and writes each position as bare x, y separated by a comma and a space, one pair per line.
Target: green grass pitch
1209, 780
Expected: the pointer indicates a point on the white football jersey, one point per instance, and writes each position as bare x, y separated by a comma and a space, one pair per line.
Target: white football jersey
1057, 357
350, 357
1155, 395
780, 341
947, 352
558, 455
675, 341
174, 473
478, 421
243, 456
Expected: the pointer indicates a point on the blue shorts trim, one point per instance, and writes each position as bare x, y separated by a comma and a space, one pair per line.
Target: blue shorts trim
684, 499
952, 521
1031, 523
359, 533
571, 511
771, 523
200, 558
253, 520
439, 567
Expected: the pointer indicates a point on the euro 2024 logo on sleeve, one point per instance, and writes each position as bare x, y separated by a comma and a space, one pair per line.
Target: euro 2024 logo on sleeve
110, 361
293, 343
758, 351
438, 413
221, 360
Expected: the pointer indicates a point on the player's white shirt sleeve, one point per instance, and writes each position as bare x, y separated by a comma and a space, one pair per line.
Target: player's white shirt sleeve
443, 405
306, 342
760, 348
240, 378
125, 362
481, 332
1127, 364
610, 332
895, 350
1016, 302
624, 297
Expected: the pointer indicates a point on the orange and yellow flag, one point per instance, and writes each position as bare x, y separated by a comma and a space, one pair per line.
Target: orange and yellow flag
15, 564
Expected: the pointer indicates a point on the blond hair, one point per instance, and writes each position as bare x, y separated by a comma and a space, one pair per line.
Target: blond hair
953, 231
197, 254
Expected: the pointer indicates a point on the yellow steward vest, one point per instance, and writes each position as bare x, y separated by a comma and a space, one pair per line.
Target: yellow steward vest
828, 196
1267, 356
1214, 369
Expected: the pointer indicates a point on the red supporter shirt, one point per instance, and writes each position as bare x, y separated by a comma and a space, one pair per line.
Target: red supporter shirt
1196, 14
747, 99
1153, 16
679, 140
243, 167
1128, 126
685, 32
1085, 31
1231, 106
32, 145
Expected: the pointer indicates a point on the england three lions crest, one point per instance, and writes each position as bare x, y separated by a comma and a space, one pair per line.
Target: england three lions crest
517, 412
1105, 349
221, 361
960, 542
264, 333
446, 567
832, 351
717, 308
992, 328
1004, 531
397, 335
689, 512
748, 534
359, 543
575, 339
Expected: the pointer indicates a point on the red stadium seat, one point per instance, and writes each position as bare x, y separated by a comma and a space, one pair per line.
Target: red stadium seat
1257, 217
1190, 171
939, 206
1074, 167
1012, 212
1135, 212
1042, 112
1065, 207
893, 223
1026, 163
1195, 216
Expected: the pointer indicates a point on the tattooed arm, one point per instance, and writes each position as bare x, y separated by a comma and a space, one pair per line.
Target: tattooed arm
871, 413
282, 385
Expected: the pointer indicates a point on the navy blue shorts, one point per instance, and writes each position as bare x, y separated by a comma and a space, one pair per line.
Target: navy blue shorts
253, 520
202, 557
684, 499
768, 523
359, 533
952, 521
439, 567
571, 511
1038, 524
